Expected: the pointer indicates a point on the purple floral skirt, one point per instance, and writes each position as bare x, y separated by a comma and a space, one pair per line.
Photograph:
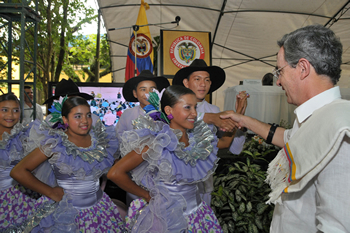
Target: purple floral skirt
102, 217
16, 204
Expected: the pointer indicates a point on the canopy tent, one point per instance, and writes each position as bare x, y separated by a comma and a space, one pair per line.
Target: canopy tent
244, 33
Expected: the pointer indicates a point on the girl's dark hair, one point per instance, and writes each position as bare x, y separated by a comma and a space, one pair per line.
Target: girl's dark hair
72, 102
9, 96
172, 94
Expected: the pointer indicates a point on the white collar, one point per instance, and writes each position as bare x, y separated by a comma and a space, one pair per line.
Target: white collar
200, 103
306, 109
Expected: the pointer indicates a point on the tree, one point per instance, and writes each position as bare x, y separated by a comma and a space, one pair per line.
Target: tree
83, 51
60, 19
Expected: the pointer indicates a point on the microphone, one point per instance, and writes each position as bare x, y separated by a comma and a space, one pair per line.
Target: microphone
177, 20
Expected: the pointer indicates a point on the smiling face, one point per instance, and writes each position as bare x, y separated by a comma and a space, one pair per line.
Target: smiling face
79, 121
199, 82
142, 89
9, 115
184, 112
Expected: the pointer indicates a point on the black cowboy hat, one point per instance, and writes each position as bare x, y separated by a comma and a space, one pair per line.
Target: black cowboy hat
217, 74
131, 84
67, 87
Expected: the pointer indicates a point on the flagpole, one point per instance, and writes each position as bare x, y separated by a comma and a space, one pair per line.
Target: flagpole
135, 53
135, 28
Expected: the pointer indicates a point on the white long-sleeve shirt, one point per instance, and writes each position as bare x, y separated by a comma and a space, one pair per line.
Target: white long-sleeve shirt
323, 205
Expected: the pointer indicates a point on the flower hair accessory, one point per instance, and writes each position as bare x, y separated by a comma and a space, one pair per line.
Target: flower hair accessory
154, 110
56, 113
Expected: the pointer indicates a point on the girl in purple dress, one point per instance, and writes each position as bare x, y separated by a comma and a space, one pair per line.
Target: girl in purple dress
16, 202
72, 199
167, 158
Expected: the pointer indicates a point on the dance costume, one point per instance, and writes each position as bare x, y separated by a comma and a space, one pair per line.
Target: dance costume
170, 172
17, 202
84, 207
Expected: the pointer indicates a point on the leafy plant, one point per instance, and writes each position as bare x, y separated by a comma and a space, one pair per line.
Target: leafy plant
240, 192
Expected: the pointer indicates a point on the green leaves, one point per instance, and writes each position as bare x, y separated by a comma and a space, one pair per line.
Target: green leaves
239, 196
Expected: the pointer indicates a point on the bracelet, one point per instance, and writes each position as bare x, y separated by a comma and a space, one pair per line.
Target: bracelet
271, 133
243, 129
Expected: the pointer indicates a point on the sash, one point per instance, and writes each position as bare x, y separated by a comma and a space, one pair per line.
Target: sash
310, 149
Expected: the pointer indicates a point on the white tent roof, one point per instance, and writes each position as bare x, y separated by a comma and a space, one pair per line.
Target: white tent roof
244, 33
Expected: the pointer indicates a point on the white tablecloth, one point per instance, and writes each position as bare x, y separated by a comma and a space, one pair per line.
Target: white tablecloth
266, 103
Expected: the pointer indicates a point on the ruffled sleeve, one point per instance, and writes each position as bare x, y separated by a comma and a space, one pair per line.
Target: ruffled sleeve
72, 160
107, 137
167, 159
11, 145
197, 161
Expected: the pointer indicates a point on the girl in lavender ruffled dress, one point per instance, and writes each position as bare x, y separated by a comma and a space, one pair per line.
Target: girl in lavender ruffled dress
76, 159
167, 158
16, 202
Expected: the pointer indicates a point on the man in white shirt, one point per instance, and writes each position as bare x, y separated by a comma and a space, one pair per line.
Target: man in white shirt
28, 106
309, 176
109, 118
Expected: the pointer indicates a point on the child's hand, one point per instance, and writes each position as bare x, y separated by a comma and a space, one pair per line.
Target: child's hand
241, 102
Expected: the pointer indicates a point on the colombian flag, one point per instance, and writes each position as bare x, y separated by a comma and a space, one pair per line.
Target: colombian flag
144, 48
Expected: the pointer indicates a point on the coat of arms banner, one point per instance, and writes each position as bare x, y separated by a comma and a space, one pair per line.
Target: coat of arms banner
180, 48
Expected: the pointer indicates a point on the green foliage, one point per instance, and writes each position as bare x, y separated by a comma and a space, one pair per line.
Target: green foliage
285, 124
60, 20
83, 52
257, 148
240, 192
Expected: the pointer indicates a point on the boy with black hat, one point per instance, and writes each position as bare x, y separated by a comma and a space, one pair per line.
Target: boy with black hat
69, 88
134, 90
203, 79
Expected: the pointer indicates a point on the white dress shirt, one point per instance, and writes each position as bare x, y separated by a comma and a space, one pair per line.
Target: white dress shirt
28, 113
323, 205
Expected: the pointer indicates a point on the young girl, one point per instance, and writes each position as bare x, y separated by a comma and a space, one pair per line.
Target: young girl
166, 162
78, 158
16, 201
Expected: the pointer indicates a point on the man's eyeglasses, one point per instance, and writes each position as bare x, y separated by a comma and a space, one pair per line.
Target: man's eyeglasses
277, 72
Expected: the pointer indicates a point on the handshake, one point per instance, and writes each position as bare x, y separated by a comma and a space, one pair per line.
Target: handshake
229, 121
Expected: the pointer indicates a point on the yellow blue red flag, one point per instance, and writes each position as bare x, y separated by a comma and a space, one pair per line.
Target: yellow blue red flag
142, 46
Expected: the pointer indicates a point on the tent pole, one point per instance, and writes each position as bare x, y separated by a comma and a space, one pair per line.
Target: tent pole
333, 19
